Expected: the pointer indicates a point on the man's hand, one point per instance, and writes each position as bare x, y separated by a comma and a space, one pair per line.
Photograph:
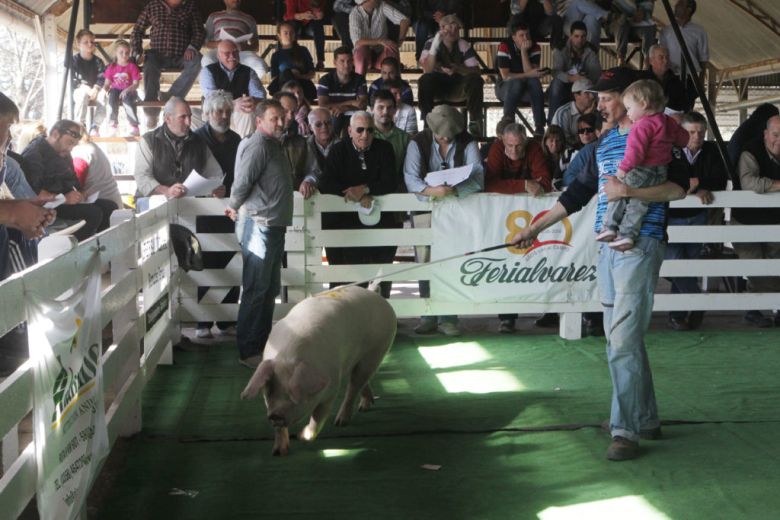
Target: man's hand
615, 190
355, 193
447, 70
526, 45
705, 196
533, 188
389, 44
693, 184
306, 189
438, 16
245, 104
30, 218
94, 92
219, 192
231, 213
366, 201
524, 238
440, 191
189, 54
176, 191
620, 174
73, 197
337, 110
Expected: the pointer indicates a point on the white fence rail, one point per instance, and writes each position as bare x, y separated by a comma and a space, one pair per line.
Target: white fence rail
129, 362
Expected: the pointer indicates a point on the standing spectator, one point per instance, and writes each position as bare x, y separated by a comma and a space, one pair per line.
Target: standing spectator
291, 61
232, 24
383, 109
405, 114
576, 60
540, 16
342, 91
307, 15
759, 171
518, 65
223, 144
591, 15
48, 166
94, 171
262, 197
341, 11
321, 142
295, 146
633, 19
516, 165
357, 169
660, 71
443, 145
429, 20
696, 41
302, 115
238, 79
368, 30
451, 73
390, 70
708, 174
122, 78
87, 80
176, 37
567, 115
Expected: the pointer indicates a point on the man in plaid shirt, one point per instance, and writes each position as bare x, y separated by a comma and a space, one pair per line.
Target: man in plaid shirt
176, 36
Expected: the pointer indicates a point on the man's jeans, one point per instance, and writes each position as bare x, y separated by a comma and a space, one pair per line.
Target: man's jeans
685, 284
153, 65
262, 248
627, 284
512, 91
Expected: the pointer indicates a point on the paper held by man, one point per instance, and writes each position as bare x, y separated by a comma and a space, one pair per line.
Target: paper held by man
200, 186
451, 177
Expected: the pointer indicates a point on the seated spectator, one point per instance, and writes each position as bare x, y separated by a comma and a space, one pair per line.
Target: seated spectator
167, 155
302, 116
540, 16
320, 142
759, 171
49, 169
308, 17
567, 115
518, 65
122, 78
591, 15
223, 144
341, 11
575, 61
451, 73
357, 169
390, 70
383, 110
708, 174
405, 114
230, 75
291, 61
94, 171
342, 91
368, 30
484, 149
87, 80
747, 131
585, 152
554, 146
232, 24
441, 146
516, 165
429, 20
295, 146
176, 37
633, 19
660, 71
695, 39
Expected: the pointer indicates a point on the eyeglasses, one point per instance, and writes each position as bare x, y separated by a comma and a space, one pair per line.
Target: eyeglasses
72, 133
586, 130
320, 124
362, 129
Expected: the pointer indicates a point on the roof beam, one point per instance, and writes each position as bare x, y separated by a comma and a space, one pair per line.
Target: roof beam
759, 14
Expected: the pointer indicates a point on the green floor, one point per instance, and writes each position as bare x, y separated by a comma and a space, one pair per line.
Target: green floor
510, 420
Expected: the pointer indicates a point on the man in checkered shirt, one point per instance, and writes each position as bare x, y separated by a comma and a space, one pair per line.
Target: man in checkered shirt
176, 36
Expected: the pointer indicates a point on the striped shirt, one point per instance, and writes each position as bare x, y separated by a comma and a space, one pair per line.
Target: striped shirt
509, 56
365, 26
610, 152
337, 92
236, 24
172, 30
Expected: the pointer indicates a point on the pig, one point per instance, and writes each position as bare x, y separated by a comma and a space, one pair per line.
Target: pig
338, 334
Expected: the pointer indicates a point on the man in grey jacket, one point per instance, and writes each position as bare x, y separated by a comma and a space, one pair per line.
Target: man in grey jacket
263, 192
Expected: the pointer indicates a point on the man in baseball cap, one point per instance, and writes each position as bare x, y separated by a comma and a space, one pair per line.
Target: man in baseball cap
567, 115
634, 413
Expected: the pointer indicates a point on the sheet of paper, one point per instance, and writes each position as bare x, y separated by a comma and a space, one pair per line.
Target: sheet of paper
92, 198
451, 177
199, 186
224, 35
59, 199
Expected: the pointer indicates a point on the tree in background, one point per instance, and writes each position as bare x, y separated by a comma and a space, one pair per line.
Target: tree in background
22, 78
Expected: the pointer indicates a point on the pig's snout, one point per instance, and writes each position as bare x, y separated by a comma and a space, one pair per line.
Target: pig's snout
277, 421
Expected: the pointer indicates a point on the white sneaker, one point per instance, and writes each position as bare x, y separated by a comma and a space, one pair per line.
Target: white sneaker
203, 333
230, 331
449, 329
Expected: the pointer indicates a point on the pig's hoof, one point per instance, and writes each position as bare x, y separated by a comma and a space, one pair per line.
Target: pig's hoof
365, 404
341, 420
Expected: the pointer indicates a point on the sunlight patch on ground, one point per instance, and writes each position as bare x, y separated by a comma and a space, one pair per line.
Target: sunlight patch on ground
633, 507
479, 382
333, 453
454, 355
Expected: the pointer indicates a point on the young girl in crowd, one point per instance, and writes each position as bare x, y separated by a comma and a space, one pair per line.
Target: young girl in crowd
122, 78
302, 116
648, 152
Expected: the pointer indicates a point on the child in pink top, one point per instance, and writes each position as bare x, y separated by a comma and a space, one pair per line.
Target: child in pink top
122, 78
648, 152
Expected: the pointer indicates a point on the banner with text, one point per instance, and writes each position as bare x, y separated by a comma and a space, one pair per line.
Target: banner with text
68, 413
560, 266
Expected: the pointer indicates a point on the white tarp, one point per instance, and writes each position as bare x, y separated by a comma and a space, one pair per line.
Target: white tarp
68, 414
559, 267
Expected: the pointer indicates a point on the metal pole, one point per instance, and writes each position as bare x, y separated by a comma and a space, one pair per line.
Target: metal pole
74, 13
699, 88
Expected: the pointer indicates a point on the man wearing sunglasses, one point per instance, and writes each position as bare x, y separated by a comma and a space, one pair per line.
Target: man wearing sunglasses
48, 166
320, 144
567, 115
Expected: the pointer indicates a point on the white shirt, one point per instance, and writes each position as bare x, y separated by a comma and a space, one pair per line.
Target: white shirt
373, 27
695, 39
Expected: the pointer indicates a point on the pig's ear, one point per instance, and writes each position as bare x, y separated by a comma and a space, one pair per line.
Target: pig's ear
260, 378
305, 382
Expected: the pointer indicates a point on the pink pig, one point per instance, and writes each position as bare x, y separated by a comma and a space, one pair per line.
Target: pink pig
335, 335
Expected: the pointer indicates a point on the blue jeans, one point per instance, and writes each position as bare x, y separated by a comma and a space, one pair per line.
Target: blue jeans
512, 91
560, 94
262, 249
626, 285
685, 284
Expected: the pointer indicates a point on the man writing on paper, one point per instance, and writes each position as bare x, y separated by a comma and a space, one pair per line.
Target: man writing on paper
168, 154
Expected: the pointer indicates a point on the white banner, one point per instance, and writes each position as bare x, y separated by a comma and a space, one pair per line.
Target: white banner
559, 267
68, 414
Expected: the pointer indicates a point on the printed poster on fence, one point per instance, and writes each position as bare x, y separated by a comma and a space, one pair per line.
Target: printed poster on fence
68, 414
560, 266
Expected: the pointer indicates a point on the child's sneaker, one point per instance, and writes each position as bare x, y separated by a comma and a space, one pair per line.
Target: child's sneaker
135, 131
608, 235
112, 130
622, 244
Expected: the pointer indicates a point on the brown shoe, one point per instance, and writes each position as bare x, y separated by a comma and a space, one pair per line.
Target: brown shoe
622, 449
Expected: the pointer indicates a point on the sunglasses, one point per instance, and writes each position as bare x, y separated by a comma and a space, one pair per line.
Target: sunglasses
73, 134
586, 130
362, 129
320, 124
